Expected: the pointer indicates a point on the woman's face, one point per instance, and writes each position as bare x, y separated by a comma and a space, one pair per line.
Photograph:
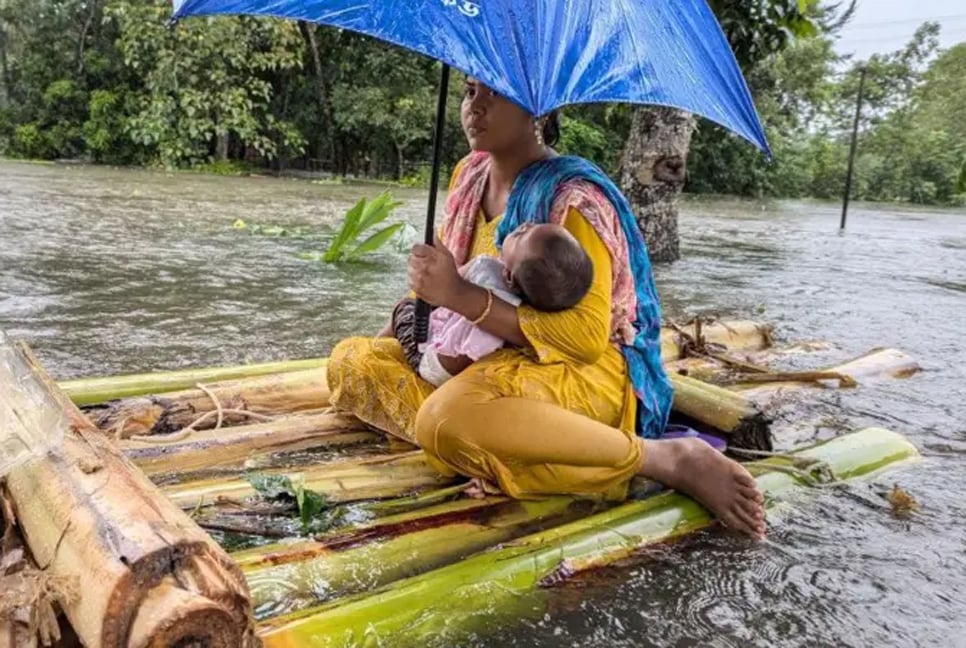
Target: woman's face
492, 123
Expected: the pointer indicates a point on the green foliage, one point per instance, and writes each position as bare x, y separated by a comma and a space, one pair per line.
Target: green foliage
362, 217
208, 85
912, 143
105, 80
105, 132
310, 504
30, 142
420, 178
584, 138
759, 28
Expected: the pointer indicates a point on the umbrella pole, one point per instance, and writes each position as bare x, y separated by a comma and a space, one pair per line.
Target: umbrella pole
422, 308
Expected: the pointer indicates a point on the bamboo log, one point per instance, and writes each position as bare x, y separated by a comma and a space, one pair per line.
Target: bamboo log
292, 578
94, 391
742, 422
446, 604
233, 445
378, 477
273, 394
89, 517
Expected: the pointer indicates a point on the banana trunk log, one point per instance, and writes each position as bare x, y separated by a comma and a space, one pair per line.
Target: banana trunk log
289, 391
744, 335
447, 604
285, 578
232, 446
17, 634
95, 523
232, 401
740, 334
93, 391
378, 477
740, 420
876, 364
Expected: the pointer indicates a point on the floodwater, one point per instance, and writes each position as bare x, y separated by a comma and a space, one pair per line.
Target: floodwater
107, 271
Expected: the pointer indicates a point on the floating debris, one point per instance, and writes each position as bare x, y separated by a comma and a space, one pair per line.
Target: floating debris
903, 504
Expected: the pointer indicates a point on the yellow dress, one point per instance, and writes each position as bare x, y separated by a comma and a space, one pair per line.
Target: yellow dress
556, 418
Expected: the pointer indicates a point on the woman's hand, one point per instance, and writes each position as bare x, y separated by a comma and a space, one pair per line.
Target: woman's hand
433, 275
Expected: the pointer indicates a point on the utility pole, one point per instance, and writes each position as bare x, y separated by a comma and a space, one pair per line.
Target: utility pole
855, 142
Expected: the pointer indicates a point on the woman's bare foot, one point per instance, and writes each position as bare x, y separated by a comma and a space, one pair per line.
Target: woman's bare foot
721, 485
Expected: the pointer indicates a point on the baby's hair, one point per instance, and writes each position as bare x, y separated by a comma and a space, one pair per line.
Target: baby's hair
558, 276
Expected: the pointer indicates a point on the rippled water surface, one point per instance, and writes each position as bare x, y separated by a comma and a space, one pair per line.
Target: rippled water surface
107, 271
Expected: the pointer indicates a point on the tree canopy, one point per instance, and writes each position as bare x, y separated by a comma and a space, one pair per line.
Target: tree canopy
106, 80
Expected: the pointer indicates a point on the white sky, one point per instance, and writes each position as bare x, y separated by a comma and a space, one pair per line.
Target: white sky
881, 26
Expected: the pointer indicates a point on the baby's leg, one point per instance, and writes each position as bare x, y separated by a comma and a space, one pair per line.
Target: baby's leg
404, 330
454, 364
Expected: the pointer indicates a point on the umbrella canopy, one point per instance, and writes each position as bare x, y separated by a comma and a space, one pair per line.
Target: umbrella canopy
544, 54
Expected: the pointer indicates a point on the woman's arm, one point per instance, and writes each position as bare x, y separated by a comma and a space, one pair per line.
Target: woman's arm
502, 320
581, 333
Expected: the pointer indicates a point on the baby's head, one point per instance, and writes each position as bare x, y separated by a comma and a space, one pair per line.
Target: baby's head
547, 265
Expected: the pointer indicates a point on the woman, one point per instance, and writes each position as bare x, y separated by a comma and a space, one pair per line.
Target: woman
560, 411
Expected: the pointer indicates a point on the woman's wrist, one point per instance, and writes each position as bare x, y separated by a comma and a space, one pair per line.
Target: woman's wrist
469, 300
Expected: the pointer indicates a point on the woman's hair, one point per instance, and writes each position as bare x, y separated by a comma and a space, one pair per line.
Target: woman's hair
557, 277
551, 128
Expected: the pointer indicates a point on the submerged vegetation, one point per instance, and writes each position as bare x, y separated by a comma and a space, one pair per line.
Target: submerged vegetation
348, 244
363, 217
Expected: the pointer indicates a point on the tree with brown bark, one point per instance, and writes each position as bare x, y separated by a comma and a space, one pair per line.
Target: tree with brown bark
653, 168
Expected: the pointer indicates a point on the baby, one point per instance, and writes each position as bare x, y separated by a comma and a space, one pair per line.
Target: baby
541, 265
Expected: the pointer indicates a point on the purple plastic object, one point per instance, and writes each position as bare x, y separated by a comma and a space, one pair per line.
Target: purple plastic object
683, 432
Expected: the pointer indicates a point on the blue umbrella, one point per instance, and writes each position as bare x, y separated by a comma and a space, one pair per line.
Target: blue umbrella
544, 54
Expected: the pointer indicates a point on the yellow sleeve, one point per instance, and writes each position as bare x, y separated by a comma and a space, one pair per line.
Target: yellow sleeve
452, 181
581, 333
456, 173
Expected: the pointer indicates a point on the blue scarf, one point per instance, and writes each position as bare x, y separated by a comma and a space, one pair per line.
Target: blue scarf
530, 201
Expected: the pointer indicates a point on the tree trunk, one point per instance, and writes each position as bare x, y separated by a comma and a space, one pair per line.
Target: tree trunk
5, 92
221, 147
321, 91
400, 161
82, 40
653, 170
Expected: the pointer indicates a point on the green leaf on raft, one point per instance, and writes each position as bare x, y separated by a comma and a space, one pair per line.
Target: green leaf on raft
310, 503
